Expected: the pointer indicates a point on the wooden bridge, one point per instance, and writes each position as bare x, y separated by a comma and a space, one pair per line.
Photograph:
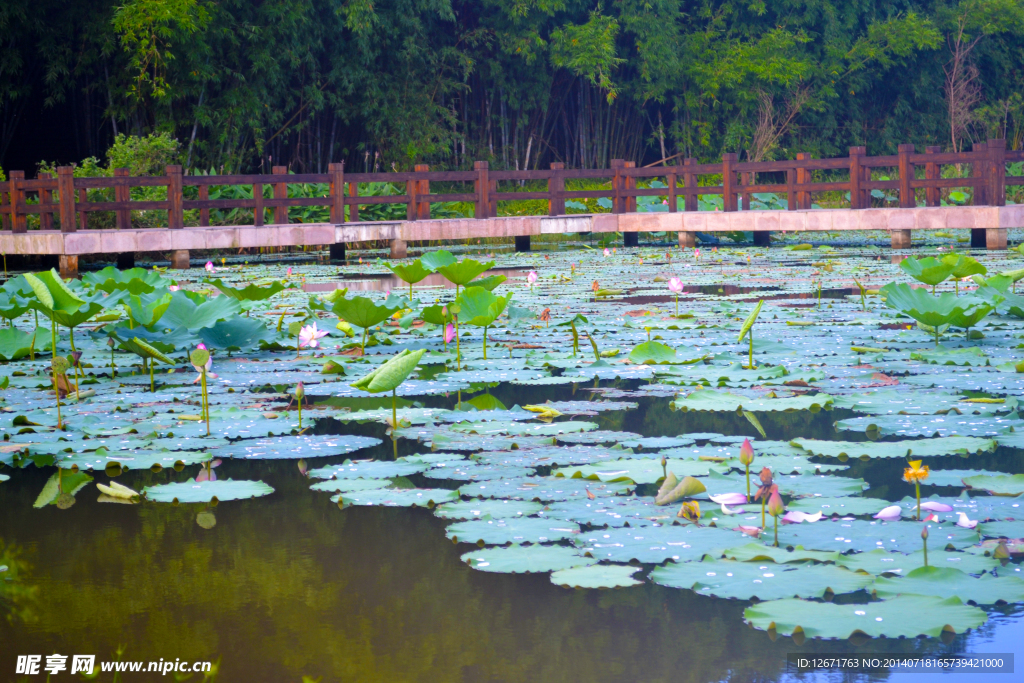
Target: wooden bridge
58, 215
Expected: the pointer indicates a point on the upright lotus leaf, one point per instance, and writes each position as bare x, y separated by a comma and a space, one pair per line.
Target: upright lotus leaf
15, 344
748, 324
148, 355
463, 272
480, 308
185, 312
134, 280
249, 292
52, 294
1000, 283
147, 309
930, 271
490, 282
934, 311
964, 266
437, 259
234, 334
388, 376
362, 312
411, 273
435, 315
974, 311
672, 489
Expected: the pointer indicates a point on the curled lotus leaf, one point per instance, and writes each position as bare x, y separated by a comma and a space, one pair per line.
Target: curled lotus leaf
388, 376
672, 489
749, 322
251, 292
929, 270
144, 350
464, 271
906, 616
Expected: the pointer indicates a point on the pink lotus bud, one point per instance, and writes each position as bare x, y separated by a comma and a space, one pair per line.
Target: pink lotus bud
606, 252
775, 505
201, 346
449, 333
174, 288
289, 271
531, 277
729, 499
965, 522
675, 285
933, 506
746, 452
889, 514
209, 267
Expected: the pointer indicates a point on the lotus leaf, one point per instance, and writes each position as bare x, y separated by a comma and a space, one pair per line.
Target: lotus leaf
192, 491
906, 616
756, 552
880, 562
437, 259
708, 400
929, 270
596, 576
997, 485
844, 535
369, 469
463, 272
767, 581
482, 508
234, 334
655, 544
350, 485
388, 376
519, 559
250, 292
946, 582
844, 506
69, 483
638, 470
361, 311
133, 280
921, 448
184, 312
517, 530
396, 497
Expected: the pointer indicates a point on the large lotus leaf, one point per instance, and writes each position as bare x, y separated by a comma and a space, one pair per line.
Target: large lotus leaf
480, 508
523, 428
929, 270
954, 477
963, 266
249, 292
511, 530
907, 616
519, 559
479, 307
144, 350
361, 311
13, 305
930, 425
749, 322
892, 401
655, 544
942, 356
611, 511
464, 271
184, 312
845, 534
15, 344
596, 576
132, 280
52, 294
997, 485
489, 282
89, 308
946, 582
880, 562
709, 400
845, 506
757, 552
411, 273
638, 470
437, 259
131, 459
721, 375
392, 373
765, 581
350, 485
369, 469
544, 489
396, 497
652, 353
971, 312
476, 472
921, 305
192, 491
304, 446
234, 333
919, 448
435, 315
147, 309
785, 464
70, 482
799, 485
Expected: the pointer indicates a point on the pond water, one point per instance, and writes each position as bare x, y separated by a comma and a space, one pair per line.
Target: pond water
290, 584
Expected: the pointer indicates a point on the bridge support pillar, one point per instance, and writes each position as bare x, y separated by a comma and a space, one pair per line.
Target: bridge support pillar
522, 243
687, 240
180, 259
399, 248
995, 238
337, 252
68, 266
762, 238
630, 239
126, 260
978, 240
900, 239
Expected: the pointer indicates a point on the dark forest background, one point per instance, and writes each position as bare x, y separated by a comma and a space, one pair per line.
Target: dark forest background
241, 85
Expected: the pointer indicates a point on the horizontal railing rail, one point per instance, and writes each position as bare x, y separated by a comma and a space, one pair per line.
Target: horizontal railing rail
65, 201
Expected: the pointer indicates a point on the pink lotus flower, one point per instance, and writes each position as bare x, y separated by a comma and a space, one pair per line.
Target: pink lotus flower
531, 277
201, 346
726, 510
936, 507
449, 333
675, 285
729, 498
931, 518
965, 522
746, 452
797, 517
696, 253
207, 473
607, 252
289, 271
889, 514
209, 267
308, 336
174, 288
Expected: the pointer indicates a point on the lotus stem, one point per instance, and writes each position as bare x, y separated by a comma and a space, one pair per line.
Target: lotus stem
458, 346
748, 481
917, 491
71, 333
394, 409
677, 305
53, 337
113, 371
206, 402
924, 542
56, 392
300, 413
152, 385
363, 347
485, 342
776, 532
750, 360
764, 499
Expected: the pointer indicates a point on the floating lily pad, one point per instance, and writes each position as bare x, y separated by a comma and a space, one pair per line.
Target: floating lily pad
849, 505
349, 485
707, 400
765, 581
396, 497
369, 469
844, 535
757, 552
639, 470
520, 559
891, 562
919, 448
999, 485
596, 576
480, 508
612, 511
906, 616
544, 488
131, 460
656, 544
945, 582
522, 428
511, 530
192, 491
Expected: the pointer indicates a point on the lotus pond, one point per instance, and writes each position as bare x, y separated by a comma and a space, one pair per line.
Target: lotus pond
581, 464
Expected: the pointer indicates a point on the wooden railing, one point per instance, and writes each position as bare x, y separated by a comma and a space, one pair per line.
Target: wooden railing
64, 200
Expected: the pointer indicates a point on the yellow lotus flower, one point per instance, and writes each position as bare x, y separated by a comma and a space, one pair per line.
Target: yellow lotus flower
543, 412
915, 473
690, 511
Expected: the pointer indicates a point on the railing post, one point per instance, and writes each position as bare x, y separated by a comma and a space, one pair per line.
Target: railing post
629, 183
411, 190
907, 199
483, 188
280, 192
692, 202
932, 171
122, 193
996, 172
803, 177
337, 192
616, 167
978, 173
258, 217
175, 214
670, 180
556, 188
728, 182
204, 213
353, 208
83, 198
19, 222
856, 178
45, 205
422, 189
66, 196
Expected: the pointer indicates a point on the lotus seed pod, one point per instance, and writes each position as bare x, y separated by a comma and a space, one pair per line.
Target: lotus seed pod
64, 501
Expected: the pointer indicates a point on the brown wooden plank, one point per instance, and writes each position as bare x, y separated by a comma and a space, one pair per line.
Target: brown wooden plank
66, 190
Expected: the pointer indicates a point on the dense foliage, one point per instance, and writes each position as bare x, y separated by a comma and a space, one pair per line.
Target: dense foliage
244, 85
